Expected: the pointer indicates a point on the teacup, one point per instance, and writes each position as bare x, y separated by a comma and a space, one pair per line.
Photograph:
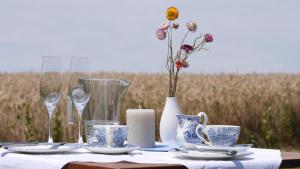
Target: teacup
111, 135
222, 135
190, 129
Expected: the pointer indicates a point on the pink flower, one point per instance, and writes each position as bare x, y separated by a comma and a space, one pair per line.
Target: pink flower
208, 37
192, 26
160, 34
187, 48
164, 26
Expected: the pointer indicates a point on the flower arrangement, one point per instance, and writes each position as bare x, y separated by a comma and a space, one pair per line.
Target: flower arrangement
177, 61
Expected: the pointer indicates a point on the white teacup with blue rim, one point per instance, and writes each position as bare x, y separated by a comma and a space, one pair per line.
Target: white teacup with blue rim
111, 135
190, 129
221, 135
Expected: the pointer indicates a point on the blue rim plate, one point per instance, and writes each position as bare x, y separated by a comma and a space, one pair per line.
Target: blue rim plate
239, 147
112, 150
211, 155
41, 149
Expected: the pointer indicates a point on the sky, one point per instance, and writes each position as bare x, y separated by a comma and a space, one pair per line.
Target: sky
119, 35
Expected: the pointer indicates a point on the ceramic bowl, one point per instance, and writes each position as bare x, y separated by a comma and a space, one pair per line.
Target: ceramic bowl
111, 135
223, 135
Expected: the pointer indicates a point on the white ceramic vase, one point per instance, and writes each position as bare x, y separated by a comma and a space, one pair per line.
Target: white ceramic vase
168, 122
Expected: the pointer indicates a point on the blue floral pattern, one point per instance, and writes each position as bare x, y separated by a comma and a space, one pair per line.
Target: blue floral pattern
223, 136
100, 136
119, 136
186, 131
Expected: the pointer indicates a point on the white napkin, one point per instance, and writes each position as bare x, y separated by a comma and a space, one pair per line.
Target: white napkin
262, 158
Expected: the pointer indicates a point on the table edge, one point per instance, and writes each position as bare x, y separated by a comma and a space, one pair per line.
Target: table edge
289, 160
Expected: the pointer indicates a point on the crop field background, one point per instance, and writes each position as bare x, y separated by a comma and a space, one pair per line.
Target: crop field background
266, 106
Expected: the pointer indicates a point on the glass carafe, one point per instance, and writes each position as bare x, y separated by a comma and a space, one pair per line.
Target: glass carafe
104, 104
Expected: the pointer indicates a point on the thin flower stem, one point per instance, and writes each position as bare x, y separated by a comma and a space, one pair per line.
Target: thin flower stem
171, 47
168, 57
186, 56
195, 41
171, 72
199, 47
185, 35
178, 55
175, 81
202, 43
169, 62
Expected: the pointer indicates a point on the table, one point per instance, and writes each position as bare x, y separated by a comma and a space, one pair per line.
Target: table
289, 160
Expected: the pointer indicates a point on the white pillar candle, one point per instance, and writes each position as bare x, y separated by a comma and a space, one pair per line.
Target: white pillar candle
141, 127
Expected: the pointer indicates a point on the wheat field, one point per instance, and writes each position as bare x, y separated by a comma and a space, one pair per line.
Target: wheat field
266, 106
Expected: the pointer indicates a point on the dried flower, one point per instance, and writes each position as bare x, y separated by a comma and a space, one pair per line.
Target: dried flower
187, 48
164, 26
160, 34
181, 64
185, 64
178, 59
192, 26
175, 25
208, 37
172, 13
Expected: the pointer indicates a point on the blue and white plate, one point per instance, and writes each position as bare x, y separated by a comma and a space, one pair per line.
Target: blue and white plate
41, 149
112, 150
211, 155
160, 147
239, 147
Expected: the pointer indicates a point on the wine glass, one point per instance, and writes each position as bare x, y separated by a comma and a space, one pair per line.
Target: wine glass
79, 90
50, 86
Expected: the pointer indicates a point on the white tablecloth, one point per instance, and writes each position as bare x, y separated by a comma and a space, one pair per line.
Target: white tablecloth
262, 158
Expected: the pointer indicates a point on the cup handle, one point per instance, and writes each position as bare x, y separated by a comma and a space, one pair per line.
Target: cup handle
201, 127
202, 114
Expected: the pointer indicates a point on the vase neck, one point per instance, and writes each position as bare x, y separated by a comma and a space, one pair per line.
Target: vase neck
172, 99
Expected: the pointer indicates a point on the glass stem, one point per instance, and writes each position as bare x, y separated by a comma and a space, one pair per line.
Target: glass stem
79, 128
49, 128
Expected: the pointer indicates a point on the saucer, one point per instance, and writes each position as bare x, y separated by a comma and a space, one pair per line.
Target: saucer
112, 150
41, 149
211, 155
238, 148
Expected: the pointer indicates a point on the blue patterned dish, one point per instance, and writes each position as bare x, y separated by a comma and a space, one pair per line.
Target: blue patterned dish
222, 135
109, 150
111, 135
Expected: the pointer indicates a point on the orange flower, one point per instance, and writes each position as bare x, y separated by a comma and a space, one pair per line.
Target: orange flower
172, 13
181, 64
